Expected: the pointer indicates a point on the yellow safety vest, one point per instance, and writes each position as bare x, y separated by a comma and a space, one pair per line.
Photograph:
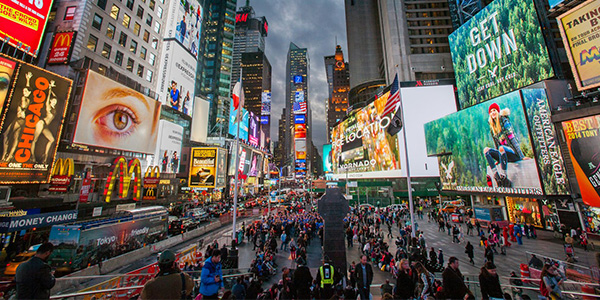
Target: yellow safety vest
324, 280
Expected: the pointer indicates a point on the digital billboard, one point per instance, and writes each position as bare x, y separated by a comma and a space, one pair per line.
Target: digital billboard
580, 35
264, 120
255, 164
177, 78
253, 130
22, 23
7, 70
299, 119
297, 79
245, 117
300, 131
116, 117
485, 148
244, 162
494, 54
221, 168
60, 49
554, 3
168, 147
299, 105
203, 167
327, 166
32, 122
265, 108
583, 137
184, 24
300, 148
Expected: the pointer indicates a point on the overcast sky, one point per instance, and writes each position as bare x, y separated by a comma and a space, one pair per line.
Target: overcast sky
312, 24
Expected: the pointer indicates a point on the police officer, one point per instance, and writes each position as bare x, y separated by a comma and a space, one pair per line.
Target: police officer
326, 279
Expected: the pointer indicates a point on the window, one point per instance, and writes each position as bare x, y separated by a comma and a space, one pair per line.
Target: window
151, 4
106, 50
92, 42
97, 22
126, 20
159, 12
102, 4
123, 39
154, 43
156, 27
110, 31
130, 65
149, 75
130, 4
133, 46
146, 35
140, 71
152, 58
136, 29
70, 13
114, 12
52, 16
119, 58
140, 12
143, 52
149, 20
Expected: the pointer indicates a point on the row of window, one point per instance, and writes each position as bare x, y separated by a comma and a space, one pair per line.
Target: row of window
106, 52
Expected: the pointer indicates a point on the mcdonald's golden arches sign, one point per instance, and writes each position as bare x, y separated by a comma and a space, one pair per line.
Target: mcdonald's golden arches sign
62, 173
60, 50
151, 180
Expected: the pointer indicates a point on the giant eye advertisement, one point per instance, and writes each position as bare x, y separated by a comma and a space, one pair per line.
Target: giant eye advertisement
579, 30
499, 50
583, 137
32, 123
117, 117
22, 23
184, 23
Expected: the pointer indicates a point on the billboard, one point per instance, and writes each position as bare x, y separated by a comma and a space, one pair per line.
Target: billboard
168, 147
554, 3
60, 50
253, 130
177, 78
299, 105
7, 70
203, 167
300, 148
299, 119
300, 131
32, 122
116, 117
243, 124
327, 167
244, 163
255, 164
200, 120
493, 54
485, 148
583, 137
264, 120
298, 79
265, 108
221, 168
22, 23
184, 24
579, 32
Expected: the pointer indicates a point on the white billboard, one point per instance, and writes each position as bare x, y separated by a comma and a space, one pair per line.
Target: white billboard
200, 120
265, 104
168, 147
184, 24
177, 78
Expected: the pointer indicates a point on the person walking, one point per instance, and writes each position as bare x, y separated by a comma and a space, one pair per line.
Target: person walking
489, 282
440, 257
453, 282
426, 282
34, 277
326, 279
405, 285
364, 277
170, 282
301, 281
239, 289
469, 251
211, 277
489, 254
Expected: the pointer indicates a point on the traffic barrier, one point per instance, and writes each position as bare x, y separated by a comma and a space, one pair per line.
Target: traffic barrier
525, 273
588, 290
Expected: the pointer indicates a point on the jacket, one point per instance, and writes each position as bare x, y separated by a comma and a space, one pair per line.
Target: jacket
155, 288
454, 286
490, 287
34, 279
359, 275
405, 286
506, 136
208, 285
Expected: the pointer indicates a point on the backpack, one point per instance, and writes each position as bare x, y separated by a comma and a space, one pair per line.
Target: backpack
544, 289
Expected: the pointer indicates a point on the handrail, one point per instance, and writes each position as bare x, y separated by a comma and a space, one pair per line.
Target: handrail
537, 289
559, 260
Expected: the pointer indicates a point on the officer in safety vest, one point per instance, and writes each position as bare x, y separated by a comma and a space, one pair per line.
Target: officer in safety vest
326, 279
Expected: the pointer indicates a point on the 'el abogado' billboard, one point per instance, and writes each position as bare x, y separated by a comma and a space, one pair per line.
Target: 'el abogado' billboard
499, 50
32, 123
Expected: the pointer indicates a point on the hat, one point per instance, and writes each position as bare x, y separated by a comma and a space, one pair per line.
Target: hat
166, 257
494, 106
490, 265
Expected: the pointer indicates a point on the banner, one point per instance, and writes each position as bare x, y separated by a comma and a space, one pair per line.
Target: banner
221, 168
114, 116
32, 124
245, 116
168, 147
184, 24
177, 78
60, 51
22, 23
579, 31
327, 165
494, 54
265, 109
583, 137
203, 171
253, 130
11, 224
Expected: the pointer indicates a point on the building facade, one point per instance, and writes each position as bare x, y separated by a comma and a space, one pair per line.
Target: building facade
338, 80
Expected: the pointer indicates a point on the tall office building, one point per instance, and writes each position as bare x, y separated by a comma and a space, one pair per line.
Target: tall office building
338, 80
250, 34
257, 87
213, 75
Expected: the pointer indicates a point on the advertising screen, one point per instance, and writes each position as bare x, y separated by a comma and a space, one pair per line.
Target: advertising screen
580, 32
297, 79
583, 137
255, 164
7, 70
300, 147
327, 167
200, 120
554, 3
221, 168
177, 78
265, 108
22, 23
168, 147
299, 119
116, 117
493, 54
244, 163
487, 148
203, 167
253, 130
245, 116
299, 103
264, 120
184, 23
300, 131
60, 51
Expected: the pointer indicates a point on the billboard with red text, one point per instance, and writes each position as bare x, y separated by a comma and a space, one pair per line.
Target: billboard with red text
22, 23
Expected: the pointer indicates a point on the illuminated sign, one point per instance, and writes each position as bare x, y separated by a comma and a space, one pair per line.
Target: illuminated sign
297, 79
264, 120
203, 167
23, 23
124, 173
60, 51
299, 119
241, 18
151, 181
253, 130
62, 173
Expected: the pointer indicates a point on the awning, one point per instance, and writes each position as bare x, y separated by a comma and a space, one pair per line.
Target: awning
10, 224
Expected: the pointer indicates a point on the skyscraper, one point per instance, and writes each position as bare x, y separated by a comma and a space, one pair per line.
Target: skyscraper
250, 34
213, 74
338, 79
256, 80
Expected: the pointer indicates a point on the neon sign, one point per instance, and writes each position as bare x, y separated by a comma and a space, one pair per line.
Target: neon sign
125, 173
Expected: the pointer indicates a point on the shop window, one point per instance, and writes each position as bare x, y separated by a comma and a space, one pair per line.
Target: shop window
524, 211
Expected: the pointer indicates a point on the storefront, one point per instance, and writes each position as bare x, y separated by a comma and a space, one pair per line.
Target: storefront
524, 211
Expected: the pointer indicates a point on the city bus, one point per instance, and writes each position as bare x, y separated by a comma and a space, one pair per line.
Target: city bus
80, 245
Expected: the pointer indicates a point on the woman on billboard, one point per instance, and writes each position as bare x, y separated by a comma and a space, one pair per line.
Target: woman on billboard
507, 148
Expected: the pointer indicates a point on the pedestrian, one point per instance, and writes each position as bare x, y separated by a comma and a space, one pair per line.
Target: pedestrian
405, 284
386, 288
453, 282
302, 281
239, 289
180, 284
426, 282
284, 241
440, 257
455, 235
489, 282
551, 281
488, 254
519, 234
326, 279
34, 277
364, 277
502, 242
469, 251
211, 278
432, 256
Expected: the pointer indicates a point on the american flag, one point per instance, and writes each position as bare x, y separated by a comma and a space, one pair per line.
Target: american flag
300, 107
394, 99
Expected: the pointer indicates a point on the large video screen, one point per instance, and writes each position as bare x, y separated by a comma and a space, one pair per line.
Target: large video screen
327, 166
116, 117
22, 23
184, 23
168, 147
32, 122
580, 36
177, 78
245, 118
499, 50
253, 130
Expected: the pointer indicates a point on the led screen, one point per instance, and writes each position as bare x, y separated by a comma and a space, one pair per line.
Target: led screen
22, 23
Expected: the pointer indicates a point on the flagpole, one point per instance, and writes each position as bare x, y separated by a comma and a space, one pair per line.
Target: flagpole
408, 182
237, 162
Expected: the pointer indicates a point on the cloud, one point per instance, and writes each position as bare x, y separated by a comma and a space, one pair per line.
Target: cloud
311, 24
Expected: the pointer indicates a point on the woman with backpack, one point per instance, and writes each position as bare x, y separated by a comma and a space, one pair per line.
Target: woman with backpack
550, 283
426, 282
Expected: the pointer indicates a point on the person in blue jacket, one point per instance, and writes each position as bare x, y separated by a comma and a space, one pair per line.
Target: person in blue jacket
211, 278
